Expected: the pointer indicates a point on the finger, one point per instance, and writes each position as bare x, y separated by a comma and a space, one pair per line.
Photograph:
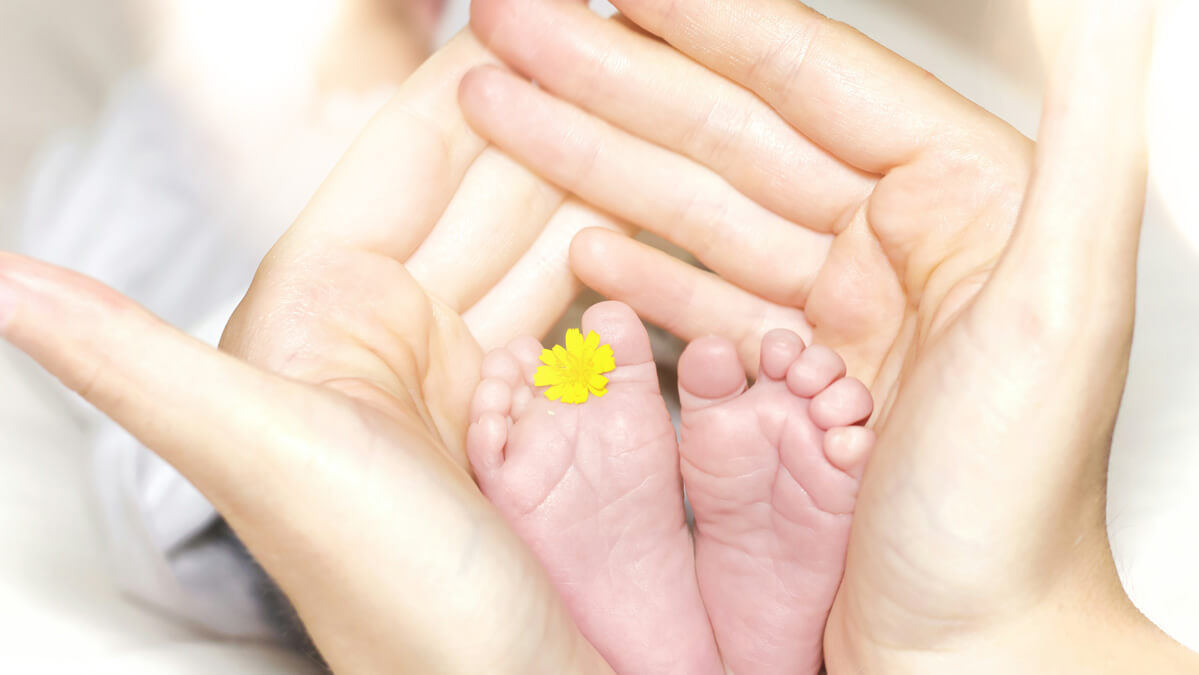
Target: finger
1076, 240
393, 183
687, 302
650, 90
529, 299
865, 104
147, 376
648, 186
497, 213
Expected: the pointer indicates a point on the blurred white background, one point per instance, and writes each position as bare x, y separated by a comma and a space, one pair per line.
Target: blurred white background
280, 86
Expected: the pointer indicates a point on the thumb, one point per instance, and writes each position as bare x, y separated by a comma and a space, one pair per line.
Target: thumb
1072, 258
172, 392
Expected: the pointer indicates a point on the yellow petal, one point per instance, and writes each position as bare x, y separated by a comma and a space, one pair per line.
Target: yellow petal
574, 341
604, 361
547, 376
561, 354
573, 371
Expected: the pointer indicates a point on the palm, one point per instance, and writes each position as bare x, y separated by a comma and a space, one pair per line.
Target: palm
882, 205
889, 285
916, 340
390, 315
358, 323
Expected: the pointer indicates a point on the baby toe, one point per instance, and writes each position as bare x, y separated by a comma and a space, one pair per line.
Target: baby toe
501, 364
491, 396
815, 369
485, 441
710, 372
619, 327
848, 448
522, 396
842, 403
527, 351
780, 348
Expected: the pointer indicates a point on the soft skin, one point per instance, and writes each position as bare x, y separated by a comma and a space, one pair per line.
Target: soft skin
330, 429
772, 473
593, 488
982, 287
334, 422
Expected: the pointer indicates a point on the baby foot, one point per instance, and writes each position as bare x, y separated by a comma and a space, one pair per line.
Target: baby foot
772, 474
594, 490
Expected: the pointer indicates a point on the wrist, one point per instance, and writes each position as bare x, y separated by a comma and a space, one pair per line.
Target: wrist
1083, 627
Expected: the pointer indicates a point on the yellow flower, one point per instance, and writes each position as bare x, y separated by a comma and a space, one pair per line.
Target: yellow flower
574, 371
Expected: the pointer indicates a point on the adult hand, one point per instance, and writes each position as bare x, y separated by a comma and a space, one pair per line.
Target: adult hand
330, 434
986, 295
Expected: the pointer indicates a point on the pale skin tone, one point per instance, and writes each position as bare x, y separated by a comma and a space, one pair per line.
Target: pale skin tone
594, 487
342, 395
984, 291
772, 473
333, 420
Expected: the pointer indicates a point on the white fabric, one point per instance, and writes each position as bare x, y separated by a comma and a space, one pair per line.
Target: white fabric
60, 611
141, 205
138, 205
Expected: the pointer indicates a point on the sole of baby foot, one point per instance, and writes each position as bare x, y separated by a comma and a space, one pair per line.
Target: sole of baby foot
772, 473
594, 490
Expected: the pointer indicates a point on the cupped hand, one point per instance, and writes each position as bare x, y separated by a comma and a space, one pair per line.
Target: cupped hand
982, 286
330, 430
831, 187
